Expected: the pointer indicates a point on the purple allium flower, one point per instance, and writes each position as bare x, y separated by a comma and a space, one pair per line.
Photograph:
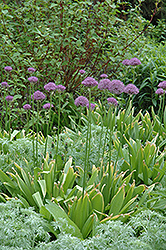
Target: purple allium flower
116, 87
159, 91
134, 61
112, 101
38, 95
131, 89
89, 82
8, 68
92, 106
60, 88
81, 71
126, 62
31, 70
81, 101
47, 106
162, 85
104, 84
51, 86
103, 76
4, 84
27, 107
9, 98
33, 79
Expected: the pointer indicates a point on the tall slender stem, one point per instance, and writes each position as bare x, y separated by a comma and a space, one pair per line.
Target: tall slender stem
48, 127
37, 129
57, 144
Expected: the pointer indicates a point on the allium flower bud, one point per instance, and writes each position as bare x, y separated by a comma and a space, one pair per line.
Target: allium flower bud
162, 85
116, 87
126, 62
135, 61
160, 91
103, 76
104, 84
31, 70
27, 107
82, 71
81, 101
8, 68
47, 106
9, 98
51, 86
92, 105
38, 96
33, 79
60, 88
112, 101
4, 84
89, 82
131, 89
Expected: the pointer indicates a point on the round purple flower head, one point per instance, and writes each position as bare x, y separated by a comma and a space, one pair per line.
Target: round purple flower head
31, 70
38, 96
126, 62
104, 84
9, 98
81, 71
131, 89
89, 82
27, 107
60, 88
51, 86
112, 101
33, 79
103, 76
81, 101
135, 61
159, 91
4, 84
162, 85
116, 87
92, 105
47, 106
8, 68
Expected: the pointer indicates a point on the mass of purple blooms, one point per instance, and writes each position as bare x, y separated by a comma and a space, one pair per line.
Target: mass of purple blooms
112, 101
103, 76
27, 106
51, 86
9, 98
32, 79
92, 105
131, 89
38, 95
81, 101
81, 71
8, 68
162, 85
4, 84
132, 62
47, 106
104, 84
60, 88
89, 82
116, 87
31, 70
159, 91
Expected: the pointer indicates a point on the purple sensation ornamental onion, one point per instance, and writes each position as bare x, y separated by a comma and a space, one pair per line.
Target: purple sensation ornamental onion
116, 87
135, 61
92, 106
27, 107
103, 76
4, 84
81, 71
126, 62
162, 85
60, 88
89, 82
81, 101
131, 89
33, 79
51, 86
112, 101
8, 68
31, 70
104, 84
38, 96
9, 98
159, 91
47, 106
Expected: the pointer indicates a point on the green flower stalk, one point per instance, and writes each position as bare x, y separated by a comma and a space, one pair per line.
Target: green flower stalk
27, 107
9, 99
